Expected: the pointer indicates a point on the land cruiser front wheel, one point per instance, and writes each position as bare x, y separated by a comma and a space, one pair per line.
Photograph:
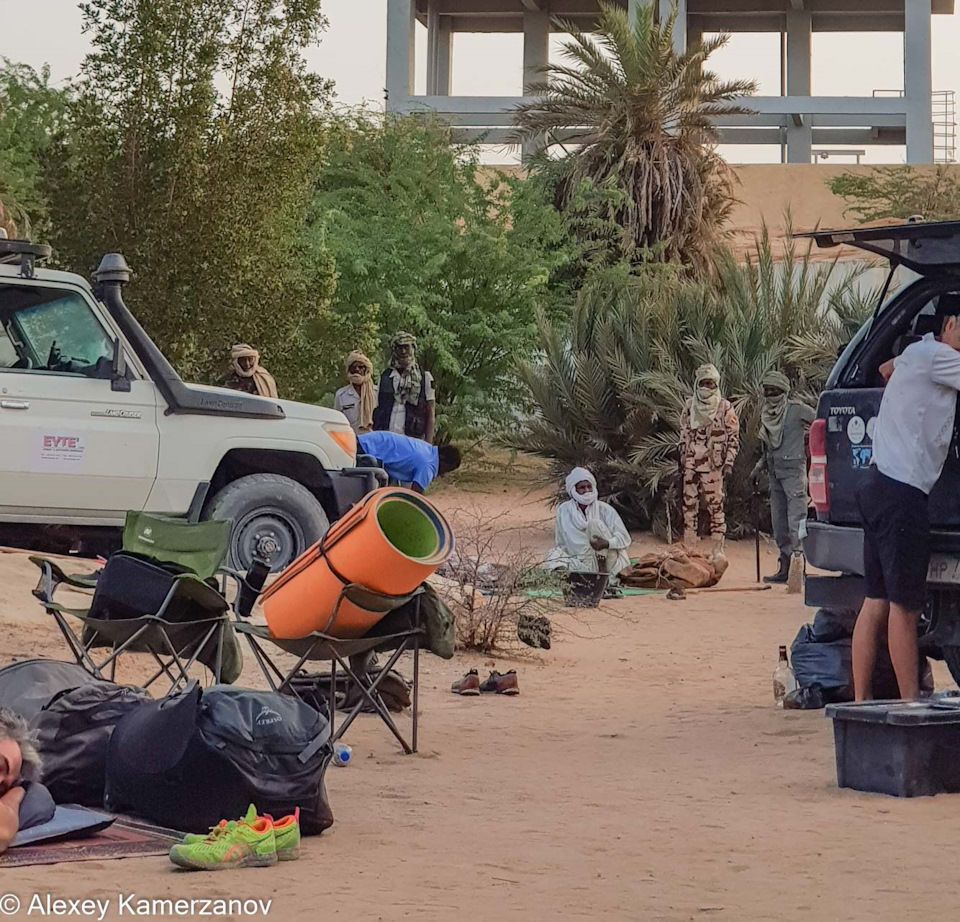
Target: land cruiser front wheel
274, 518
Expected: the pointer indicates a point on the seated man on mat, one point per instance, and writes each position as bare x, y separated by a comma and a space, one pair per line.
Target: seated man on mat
19, 763
408, 460
591, 536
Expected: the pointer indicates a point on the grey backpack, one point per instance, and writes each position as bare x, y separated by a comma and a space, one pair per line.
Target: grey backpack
74, 715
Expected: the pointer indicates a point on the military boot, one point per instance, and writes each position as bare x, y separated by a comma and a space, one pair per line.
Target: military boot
782, 574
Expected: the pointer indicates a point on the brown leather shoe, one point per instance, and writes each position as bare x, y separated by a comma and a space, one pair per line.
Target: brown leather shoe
469, 685
505, 683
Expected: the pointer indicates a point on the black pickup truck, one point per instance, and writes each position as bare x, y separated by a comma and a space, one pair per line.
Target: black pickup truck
841, 439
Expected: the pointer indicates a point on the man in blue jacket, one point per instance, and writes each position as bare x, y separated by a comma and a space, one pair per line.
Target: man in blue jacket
409, 460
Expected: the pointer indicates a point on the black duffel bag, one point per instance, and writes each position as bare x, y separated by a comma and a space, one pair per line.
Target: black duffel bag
193, 759
74, 715
828, 664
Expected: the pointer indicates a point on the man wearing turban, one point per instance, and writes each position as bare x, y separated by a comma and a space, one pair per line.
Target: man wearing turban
358, 399
407, 398
709, 442
590, 535
783, 424
247, 374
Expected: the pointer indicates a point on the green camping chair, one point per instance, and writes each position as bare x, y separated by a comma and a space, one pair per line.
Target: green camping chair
158, 596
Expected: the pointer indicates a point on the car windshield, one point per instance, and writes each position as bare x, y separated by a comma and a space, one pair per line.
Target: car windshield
50, 330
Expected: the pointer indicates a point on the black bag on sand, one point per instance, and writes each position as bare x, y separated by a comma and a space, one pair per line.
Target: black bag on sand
74, 715
193, 759
829, 665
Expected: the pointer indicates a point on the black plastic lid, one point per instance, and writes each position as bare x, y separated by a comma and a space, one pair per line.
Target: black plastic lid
896, 713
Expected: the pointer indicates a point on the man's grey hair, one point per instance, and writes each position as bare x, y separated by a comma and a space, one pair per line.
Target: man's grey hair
14, 727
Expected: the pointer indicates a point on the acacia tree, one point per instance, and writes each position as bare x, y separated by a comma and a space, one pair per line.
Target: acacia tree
634, 120
31, 112
427, 240
191, 146
899, 192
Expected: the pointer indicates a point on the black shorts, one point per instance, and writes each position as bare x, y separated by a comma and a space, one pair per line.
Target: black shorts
896, 540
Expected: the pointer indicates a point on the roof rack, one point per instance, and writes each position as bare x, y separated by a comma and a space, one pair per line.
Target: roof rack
23, 253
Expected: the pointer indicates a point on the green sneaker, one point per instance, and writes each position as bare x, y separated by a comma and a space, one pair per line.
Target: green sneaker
287, 833
191, 838
245, 845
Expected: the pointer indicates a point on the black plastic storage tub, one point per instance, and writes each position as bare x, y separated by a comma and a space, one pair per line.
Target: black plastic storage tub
903, 748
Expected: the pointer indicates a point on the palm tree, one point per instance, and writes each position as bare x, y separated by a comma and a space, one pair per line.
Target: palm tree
608, 392
636, 118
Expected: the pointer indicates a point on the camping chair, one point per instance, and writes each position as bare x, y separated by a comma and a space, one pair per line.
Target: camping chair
320, 647
156, 596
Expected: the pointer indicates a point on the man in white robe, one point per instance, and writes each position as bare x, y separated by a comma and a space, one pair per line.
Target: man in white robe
591, 536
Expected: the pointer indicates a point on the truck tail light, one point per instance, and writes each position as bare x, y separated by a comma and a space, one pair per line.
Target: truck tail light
819, 485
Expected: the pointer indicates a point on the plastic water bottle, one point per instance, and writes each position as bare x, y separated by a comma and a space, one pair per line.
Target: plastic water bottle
784, 681
342, 754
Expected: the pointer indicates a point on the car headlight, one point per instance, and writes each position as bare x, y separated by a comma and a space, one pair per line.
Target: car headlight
346, 438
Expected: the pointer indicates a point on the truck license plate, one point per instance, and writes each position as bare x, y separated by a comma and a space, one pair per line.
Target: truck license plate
944, 568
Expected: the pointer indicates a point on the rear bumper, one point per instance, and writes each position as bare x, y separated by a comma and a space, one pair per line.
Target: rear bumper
840, 549
350, 485
834, 547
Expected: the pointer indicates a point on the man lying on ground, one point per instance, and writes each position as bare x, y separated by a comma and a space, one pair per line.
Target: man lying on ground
408, 460
19, 763
590, 533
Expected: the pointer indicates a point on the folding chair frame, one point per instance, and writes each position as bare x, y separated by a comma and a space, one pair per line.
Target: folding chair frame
153, 635
339, 650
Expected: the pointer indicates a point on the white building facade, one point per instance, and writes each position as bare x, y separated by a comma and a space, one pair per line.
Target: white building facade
795, 120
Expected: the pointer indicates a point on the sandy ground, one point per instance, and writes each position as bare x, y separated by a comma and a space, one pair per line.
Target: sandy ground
643, 773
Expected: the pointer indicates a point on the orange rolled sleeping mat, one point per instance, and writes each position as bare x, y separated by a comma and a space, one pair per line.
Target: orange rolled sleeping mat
388, 543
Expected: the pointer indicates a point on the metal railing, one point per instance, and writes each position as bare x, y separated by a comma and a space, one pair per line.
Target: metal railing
944, 111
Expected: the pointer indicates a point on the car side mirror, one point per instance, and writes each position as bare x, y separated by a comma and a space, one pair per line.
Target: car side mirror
118, 369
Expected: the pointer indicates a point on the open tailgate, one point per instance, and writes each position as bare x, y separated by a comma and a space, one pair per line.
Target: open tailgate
928, 248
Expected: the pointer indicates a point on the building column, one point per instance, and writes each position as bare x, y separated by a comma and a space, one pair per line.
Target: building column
536, 55
799, 132
401, 34
439, 47
536, 45
918, 80
680, 27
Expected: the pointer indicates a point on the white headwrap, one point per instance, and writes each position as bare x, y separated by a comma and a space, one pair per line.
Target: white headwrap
590, 500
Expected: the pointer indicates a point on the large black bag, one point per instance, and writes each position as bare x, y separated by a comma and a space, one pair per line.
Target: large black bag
829, 665
192, 759
74, 715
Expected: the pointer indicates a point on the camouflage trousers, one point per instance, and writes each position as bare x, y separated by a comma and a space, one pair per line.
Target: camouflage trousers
704, 487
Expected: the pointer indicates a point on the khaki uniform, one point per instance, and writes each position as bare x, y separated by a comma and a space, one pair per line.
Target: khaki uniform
706, 455
786, 468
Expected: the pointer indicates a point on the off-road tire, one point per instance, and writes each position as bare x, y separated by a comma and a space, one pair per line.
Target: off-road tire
268, 511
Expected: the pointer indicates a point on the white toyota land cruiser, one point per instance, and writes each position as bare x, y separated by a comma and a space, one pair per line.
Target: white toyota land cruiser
94, 421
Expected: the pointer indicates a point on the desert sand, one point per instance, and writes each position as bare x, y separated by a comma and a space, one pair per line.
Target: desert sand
643, 773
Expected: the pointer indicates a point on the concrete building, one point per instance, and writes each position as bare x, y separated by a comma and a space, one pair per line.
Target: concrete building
796, 120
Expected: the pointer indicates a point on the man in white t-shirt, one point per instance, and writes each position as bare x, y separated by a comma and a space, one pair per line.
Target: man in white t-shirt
910, 446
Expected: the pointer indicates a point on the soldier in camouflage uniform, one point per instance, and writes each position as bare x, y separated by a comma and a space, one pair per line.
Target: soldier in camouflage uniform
709, 442
783, 425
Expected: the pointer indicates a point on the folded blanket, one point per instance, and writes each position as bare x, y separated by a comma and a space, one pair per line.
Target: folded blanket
675, 567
